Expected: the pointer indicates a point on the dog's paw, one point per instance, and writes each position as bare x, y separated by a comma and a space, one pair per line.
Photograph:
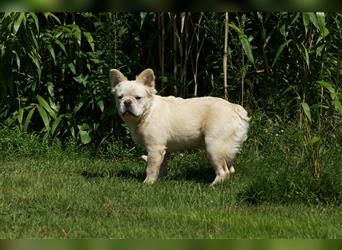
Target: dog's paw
144, 157
219, 179
150, 180
232, 170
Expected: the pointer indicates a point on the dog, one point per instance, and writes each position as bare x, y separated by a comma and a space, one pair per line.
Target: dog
169, 124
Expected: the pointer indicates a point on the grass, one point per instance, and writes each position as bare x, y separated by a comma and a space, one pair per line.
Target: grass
65, 191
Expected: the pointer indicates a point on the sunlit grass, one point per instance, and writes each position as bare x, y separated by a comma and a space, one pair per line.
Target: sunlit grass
50, 191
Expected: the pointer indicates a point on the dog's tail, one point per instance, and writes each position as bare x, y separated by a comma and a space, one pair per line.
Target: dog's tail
244, 121
241, 112
240, 133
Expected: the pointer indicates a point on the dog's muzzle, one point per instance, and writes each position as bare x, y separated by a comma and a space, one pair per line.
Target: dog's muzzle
128, 103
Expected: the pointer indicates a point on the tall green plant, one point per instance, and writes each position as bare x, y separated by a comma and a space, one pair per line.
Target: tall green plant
307, 40
57, 77
53, 67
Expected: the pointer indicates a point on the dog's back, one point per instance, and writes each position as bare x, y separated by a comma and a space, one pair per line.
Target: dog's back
188, 123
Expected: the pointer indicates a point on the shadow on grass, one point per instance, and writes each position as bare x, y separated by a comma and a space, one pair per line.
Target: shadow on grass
124, 174
200, 175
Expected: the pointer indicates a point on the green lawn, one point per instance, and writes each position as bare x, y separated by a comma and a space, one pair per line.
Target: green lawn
55, 192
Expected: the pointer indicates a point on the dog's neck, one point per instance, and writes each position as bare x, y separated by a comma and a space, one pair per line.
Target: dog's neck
140, 121
136, 126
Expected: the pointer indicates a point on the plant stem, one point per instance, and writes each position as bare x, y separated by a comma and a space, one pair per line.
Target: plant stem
226, 20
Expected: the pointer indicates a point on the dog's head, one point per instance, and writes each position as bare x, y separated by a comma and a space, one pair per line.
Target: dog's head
132, 97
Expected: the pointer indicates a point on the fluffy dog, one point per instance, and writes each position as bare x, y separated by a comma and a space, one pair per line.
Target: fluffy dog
168, 124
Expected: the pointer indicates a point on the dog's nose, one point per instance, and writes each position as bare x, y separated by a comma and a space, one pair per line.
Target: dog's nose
127, 103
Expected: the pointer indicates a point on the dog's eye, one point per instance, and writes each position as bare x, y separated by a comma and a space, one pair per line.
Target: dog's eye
138, 97
120, 96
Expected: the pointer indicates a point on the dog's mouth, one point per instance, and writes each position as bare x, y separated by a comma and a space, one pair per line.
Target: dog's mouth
128, 112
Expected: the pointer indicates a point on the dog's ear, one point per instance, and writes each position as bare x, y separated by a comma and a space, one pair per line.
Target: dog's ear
115, 77
147, 78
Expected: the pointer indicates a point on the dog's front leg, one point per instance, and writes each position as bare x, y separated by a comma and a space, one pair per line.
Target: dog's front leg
155, 157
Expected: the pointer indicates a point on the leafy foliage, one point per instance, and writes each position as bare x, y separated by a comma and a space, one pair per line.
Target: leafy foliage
53, 67
56, 84
277, 163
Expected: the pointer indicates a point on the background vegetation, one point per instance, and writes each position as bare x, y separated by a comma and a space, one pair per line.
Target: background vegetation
54, 66
59, 123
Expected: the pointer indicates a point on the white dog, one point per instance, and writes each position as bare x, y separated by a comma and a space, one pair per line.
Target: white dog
167, 124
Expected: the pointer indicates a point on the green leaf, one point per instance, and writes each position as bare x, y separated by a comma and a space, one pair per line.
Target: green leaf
338, 106
52, 52
46, 106
306, 110
76, 31
28, 118
44, 117
319, 50
313, 19
54, 106
90, 40
17, 58
289, 88
50, 88
235, 28
306, 21
18, 22
33, 36
61, 45
306, 56
247, 47
280, 50
36, 62
85, 137
53, 16
83, 79
325, 32
295, 18
55, 124
78, 107
315, 139
100, 105
142, 18
20, 116
282, 30
321, 20
322, 26
46, 135
327, 85
72, 68
35, 18
84, 126
3, 50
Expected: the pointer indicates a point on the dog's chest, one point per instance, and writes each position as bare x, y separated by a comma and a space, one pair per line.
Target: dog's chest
137, 137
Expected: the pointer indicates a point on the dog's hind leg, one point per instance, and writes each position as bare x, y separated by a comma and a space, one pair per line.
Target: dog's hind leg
217, 158
231, 168
221, 171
